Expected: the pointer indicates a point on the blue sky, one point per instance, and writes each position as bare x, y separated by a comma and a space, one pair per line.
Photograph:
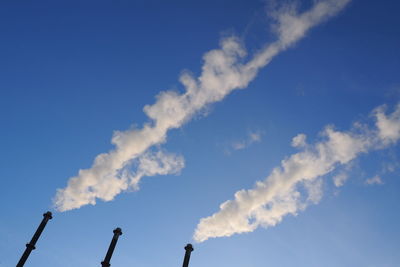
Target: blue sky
73, 73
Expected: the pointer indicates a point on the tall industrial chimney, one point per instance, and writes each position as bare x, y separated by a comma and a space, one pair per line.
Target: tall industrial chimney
31, 245
189, 249
106, 263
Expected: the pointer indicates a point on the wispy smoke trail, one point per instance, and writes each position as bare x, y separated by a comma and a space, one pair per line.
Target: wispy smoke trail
252, 137
297, 182
224, 70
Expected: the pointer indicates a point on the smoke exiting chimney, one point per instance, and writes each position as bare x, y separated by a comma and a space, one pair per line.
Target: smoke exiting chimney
31, 245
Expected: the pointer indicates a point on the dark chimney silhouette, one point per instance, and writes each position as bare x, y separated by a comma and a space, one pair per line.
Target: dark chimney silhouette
106, 263
189, 249
31, 245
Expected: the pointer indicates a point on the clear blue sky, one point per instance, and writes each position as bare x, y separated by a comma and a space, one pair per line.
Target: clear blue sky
73, 72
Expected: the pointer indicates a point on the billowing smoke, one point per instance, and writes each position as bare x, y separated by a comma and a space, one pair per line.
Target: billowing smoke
224, 70
297, 182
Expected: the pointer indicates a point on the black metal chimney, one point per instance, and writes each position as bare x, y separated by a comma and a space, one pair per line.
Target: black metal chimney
31, 245
106, 263
189, 249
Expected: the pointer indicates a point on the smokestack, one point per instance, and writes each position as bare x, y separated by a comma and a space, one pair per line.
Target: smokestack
189, 249
106, 263
31, 245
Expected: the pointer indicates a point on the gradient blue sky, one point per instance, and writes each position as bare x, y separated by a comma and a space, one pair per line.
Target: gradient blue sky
72, 72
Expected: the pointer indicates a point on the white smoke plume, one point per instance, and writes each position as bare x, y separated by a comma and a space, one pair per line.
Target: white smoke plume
297, 182
224, 70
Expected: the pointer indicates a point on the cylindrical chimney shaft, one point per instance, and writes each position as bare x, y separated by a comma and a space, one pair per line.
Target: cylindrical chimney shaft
106, 263
31, 245
189, 249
